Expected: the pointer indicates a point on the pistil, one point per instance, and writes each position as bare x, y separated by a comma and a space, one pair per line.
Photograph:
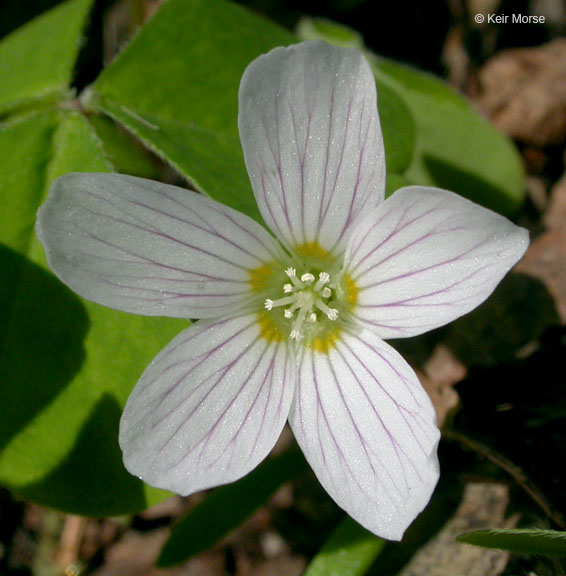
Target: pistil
305, 298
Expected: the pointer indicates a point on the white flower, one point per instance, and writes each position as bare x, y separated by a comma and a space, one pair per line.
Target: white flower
291, 328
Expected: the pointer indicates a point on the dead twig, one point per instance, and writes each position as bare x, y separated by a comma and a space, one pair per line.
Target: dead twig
513, 470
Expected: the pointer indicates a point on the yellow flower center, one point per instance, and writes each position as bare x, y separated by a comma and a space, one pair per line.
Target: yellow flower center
307, 300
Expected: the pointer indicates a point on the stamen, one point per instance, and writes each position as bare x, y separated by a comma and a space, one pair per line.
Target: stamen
269, 304
323, 278
332, 313
292, 273
288, 313
305, 296
296, 332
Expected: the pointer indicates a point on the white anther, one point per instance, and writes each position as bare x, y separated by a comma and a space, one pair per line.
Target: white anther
332, 313
269, 304
304, 296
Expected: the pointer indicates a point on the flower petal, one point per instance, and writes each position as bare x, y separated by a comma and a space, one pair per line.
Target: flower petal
209, 408
425, 257
368, 429
312, 141
150, 248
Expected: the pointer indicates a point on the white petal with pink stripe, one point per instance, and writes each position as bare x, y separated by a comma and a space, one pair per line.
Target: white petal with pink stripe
368, 429
312, 142
209, 408
425, 257
149, 248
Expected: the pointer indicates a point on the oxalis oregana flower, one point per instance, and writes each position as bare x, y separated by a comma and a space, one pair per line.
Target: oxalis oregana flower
292, 325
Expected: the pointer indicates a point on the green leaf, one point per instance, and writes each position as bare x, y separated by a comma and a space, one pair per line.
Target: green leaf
227, 507
126, 154
37, 60
333, 32
394, 182
519, 541
175, 86
75, 144
398, 129
350, 551
25, 150
66, 365
220, 170
455, 148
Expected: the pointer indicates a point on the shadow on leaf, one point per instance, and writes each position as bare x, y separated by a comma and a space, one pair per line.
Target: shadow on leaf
42, 328
93, 493
470, 186
518, 312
